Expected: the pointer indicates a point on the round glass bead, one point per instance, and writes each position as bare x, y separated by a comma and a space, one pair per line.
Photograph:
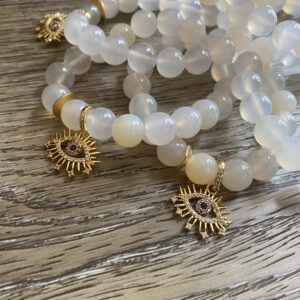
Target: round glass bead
76, 61
73, 24
284, 101
59, 73
169, 22
197, 60
143, 23
125, 31
135, 84
142, 105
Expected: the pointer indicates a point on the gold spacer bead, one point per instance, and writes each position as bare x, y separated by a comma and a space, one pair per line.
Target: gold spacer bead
188, 154
60, 102
100, 6
83, 115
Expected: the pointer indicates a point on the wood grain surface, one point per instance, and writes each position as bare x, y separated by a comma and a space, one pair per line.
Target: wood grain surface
114, 235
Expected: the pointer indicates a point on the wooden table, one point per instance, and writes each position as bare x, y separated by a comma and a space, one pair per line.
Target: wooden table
114, 235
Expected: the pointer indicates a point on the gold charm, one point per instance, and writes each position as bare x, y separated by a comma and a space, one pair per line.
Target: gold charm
203, 207
51, 27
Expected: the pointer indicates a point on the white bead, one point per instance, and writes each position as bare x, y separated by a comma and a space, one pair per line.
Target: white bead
272, 82
143, 23
254, 106
262, 20
197, 60
290, 120
208, 15
97, 59
192, 31
264, 47
160, 129
224, 103
59, 73
170, 62
245, 83
236, 2
209, 112
222, 20
73, 24
128, 130
135, 84
111, 8
270, 131
51, 93
220, 71
76, 61
149, 5
240, 36
248, 60
190, 9
237, 175
128, 6
169, 22
263, 164
142, 57
166, 4
284, 101
276, 4
172, 154
221, 49
70, 114
201, 168
238, 14
287, 154
172, 42
292, 7
142, 105
93, 12
114, 50
188, 122
125, 31
99, 123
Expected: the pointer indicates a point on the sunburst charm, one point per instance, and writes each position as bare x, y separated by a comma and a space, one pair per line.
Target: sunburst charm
73, 152
51, 27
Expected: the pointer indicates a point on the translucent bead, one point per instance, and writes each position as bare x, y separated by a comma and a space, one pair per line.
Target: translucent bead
284, 101
192, 31
51, 93
160, 129
209, 112
166, 4
236, 2
169, 22
111, 8
221, 49
245, 83
76, 61
264, 47
143, 23
142, 57
97, 59
170, 62
270, 131
237, 176
209, 2
99, 123
70, 114
93, 12
240, 36
114, 50
224, 103
157, 42
190, 9
172, 42
142, 105
128, 6
254, 106
248, 60
59, 73
130, 71
149, 5
73, 24
135, 84
208, 15
125, 31
222, 21
128, 130
263, 164
262, 20
290, 120
197, 60
292, 7
238, 14
287, 154
272, 82
172, 154
188, 122
220, 71
201, 168
276, 4
90, 40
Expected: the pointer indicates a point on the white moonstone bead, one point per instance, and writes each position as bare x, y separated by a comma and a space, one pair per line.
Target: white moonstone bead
238, 14
290, 120
143, 23
111, 8
93, 12
224, 103
284, 101
254, 106
276, 4
149, 5
287, 154
240, 36
201, 168
135, 84
51, 93
128, 130
262, 20
142, 57
170, 62
169, 22
272, 82
97, 59
208, 15
220, 71
99, 122
160, 129
221, 49
263, 164
73, 24
264, 47
245, 83
114, 50
292, 7
197, 60
172, 42
172, 154
248, 60
59, 73
237, 175
125, 31
209, 111
236, 2
70, 114
188, 122
142, 105
270, 131
192, 31
190, 9
76, 61
166, 4
128, 6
